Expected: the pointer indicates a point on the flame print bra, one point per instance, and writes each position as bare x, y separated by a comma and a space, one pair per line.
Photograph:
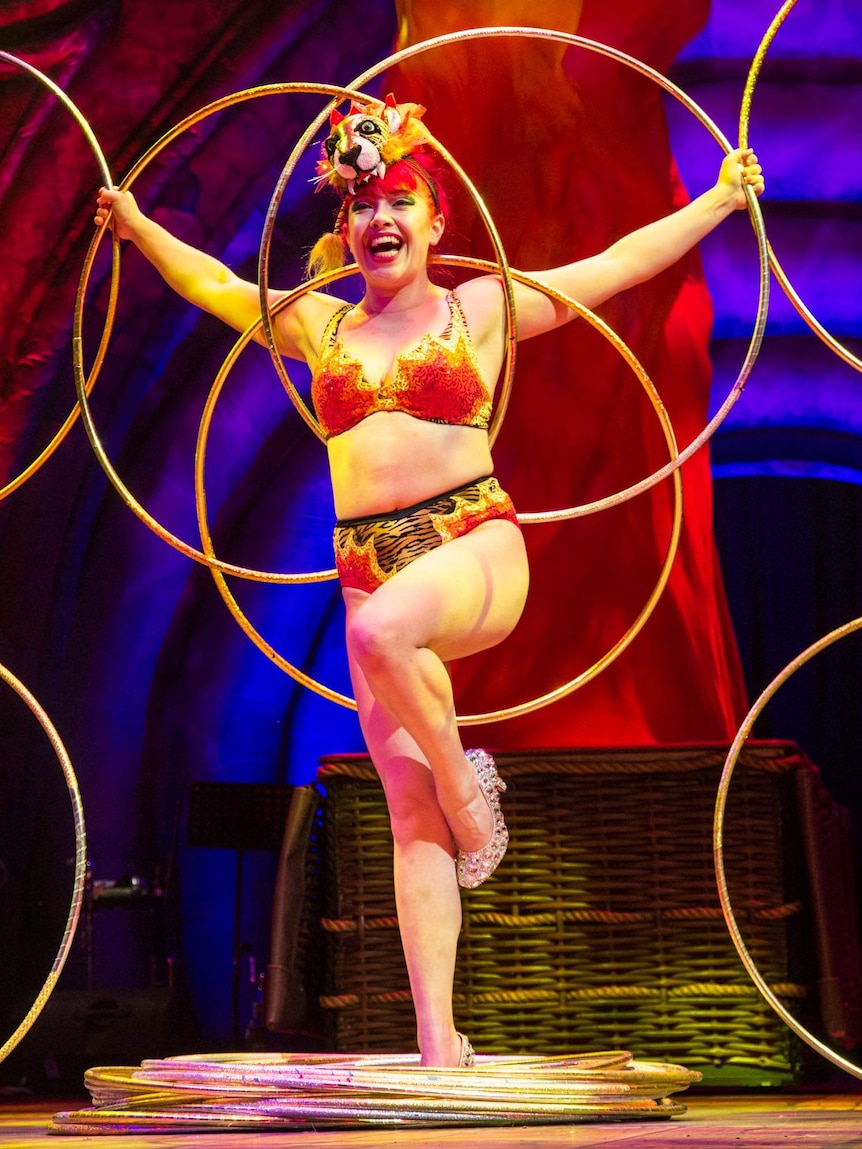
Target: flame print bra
437, 381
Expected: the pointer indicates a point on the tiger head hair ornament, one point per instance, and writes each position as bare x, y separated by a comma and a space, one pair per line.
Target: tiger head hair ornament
360, 147
363, 143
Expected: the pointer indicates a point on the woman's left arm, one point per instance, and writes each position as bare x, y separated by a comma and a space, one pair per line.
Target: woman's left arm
643, 253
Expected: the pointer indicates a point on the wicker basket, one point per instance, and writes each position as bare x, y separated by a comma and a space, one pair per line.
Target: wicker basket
601, 929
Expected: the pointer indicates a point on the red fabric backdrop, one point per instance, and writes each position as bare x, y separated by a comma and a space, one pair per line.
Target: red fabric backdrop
570, 150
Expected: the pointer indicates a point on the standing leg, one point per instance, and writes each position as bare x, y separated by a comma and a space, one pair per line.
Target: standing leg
455, 600
426, 892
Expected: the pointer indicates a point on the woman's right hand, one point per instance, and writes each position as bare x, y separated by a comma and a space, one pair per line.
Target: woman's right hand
123, 208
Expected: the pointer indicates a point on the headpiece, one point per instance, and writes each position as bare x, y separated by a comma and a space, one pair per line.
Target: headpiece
370, 137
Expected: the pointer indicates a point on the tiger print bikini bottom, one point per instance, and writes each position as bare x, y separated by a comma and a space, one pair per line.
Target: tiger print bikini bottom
368, 551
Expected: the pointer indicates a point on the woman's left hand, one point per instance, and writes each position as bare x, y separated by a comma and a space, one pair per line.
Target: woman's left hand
740, 167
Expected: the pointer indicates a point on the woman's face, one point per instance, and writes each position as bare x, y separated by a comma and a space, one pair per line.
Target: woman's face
390, 231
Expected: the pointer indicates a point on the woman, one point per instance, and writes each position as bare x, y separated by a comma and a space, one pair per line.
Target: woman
429, 553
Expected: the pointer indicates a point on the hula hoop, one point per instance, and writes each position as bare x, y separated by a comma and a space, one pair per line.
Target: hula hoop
672, 467
71, 418
718, 845
80, 878
698, 112
786, 286
77, 343
795, 664
465, 720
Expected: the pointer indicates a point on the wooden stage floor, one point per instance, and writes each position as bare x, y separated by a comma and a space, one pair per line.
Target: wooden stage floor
713, 1121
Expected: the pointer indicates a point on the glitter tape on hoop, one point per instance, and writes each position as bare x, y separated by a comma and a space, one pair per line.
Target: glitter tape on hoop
502, 266
465, 720
89, 135
78, 354
753, 209
744, 122
80, 860
718, 844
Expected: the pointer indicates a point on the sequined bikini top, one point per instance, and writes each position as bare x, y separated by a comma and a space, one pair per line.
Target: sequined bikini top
437, 381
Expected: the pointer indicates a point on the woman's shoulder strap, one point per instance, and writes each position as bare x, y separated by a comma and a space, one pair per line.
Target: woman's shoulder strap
330, 332
457, 318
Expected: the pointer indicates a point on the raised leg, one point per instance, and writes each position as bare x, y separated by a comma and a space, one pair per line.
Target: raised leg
461, 598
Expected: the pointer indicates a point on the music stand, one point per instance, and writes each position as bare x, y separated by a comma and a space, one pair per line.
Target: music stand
237, 816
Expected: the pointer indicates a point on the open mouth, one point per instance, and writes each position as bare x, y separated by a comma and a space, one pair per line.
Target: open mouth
385, 246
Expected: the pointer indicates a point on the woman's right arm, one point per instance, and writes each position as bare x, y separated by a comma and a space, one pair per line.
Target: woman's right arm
204, 280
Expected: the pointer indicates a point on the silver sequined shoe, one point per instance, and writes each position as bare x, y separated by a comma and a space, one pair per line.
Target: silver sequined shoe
468, 1057
473, 867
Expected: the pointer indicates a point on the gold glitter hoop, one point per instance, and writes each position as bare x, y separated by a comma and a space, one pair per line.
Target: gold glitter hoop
744, 123
465, 720
342, 93
79, 881
753, 210
77, 343
718, 845
338, 94
350, 91
46, 453
795, 664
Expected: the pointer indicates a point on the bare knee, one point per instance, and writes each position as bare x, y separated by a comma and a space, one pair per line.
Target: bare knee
376, 640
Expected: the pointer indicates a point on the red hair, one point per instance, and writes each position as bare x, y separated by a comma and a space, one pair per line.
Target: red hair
421, 169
